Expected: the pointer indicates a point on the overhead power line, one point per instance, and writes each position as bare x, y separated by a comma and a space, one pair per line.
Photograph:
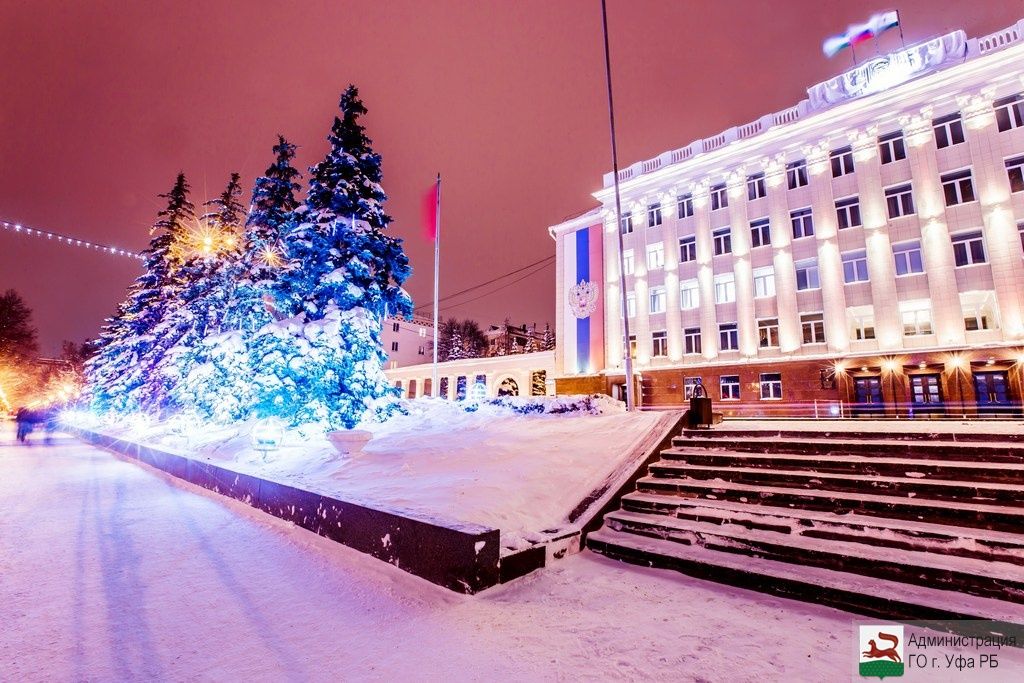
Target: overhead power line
541, 265
448, 297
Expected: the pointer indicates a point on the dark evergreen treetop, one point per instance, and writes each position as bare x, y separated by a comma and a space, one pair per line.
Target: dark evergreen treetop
338, 252
17, 336
273, 200
226, 211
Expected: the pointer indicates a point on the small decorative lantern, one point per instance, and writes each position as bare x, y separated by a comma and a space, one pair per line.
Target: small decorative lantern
267, 435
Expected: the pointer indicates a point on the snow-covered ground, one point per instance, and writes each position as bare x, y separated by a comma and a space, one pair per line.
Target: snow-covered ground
110, 571
521, 474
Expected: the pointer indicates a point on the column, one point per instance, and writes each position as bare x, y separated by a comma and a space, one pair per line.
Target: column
705, 273
612, 291
992, 187
782, 239
936, 248
673, 316
739, 220
830, 261
881, 268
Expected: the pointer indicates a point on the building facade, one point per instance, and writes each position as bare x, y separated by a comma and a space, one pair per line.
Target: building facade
858, 253
524, 374
407, 342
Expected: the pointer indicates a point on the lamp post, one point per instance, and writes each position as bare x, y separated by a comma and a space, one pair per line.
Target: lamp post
627, 356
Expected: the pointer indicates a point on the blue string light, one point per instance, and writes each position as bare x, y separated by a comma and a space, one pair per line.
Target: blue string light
65, 239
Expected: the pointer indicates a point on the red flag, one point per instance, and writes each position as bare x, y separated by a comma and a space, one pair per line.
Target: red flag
430, 213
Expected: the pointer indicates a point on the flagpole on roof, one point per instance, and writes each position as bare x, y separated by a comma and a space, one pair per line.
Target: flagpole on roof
899, 25
627, 356
435, 390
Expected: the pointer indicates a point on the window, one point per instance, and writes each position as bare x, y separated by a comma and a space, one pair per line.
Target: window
842, 161
1015, 170
803, 224
719, 197
687, 249
655, 256
657, 299
1020, 231
848, 212
924, 390
807, 274
659, 344
684, 205
626, 222
729, 385
862, 322
968, 248
764, 282
755, 186
728, 337
1009, 112
421, 351
899, 200
958, 187
723, 241
908, 258
628, 262
768, 332
891, 147
813, 327
631, 304
689, 384
771, 385
412, 388
691, 340
949, 130
796, 174
423, 332
394, 327
917, 317
725, 288
394, 346
855, 266
689, 298
760, 233
979, 311
654, 215
632, 346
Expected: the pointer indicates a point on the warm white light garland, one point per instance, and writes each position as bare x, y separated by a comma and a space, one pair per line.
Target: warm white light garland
18, 228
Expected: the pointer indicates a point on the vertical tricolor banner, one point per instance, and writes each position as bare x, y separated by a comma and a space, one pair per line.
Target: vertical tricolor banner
584, 287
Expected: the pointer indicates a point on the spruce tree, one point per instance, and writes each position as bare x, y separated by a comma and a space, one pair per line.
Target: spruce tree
548, 342
116, 374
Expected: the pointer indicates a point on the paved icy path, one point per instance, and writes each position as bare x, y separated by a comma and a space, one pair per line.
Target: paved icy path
110, 571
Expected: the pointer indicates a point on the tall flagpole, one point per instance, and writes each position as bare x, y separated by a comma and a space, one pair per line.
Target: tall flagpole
627, 356
435, 390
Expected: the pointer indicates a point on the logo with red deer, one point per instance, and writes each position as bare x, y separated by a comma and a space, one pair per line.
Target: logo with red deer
881, 650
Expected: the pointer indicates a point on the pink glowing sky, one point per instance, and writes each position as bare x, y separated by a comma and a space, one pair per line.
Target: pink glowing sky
102, 103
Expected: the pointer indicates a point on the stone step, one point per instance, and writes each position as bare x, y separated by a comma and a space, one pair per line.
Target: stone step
956, 513
852, 433
853, 528
864, 595
909, 487
852, 464
983, 578
816, 445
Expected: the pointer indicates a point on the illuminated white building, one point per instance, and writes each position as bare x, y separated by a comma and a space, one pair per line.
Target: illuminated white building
407, 342
875, 228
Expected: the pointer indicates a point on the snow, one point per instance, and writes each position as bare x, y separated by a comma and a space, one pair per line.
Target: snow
111, 571
521, 474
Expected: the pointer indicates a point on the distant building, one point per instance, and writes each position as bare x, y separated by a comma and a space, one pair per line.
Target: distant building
859, 251
407, 342
505, 339
524, 374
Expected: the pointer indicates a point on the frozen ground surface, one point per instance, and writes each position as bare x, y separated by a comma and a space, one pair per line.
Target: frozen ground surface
520, 474
110, 571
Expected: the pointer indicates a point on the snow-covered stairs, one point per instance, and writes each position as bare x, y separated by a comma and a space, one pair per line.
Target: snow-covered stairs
930, 529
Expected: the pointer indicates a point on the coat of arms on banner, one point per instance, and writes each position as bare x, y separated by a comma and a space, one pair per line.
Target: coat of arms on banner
583, 299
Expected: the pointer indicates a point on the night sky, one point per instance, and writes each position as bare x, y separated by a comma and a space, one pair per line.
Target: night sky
102, 103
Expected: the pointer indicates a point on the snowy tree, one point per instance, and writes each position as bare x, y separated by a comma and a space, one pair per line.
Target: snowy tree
531, 345
127, 346
343, 275
515, 348
456, 350
548, 341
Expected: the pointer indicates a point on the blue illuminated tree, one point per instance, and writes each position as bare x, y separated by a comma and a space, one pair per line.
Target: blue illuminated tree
116, 373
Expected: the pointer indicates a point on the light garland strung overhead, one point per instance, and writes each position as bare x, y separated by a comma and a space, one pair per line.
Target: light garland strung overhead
65, 239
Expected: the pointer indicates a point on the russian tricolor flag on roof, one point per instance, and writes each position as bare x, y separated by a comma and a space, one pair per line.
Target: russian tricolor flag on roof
858, 33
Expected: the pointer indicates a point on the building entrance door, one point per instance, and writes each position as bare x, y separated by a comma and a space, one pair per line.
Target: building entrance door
867, 396
925, 394
992, 390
